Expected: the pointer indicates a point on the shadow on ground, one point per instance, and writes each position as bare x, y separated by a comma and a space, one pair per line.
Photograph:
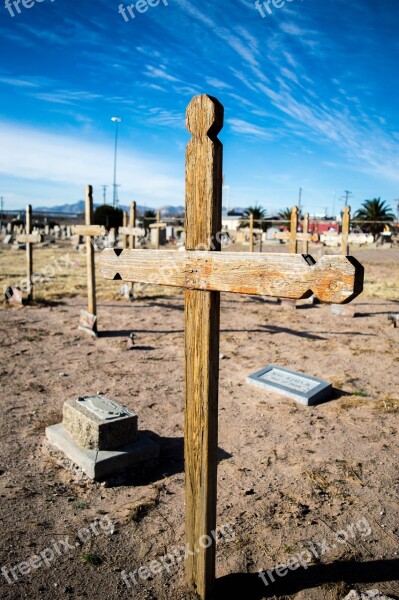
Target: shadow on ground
251, 586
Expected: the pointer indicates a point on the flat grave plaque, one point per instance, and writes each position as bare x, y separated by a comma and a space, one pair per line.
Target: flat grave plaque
298, 386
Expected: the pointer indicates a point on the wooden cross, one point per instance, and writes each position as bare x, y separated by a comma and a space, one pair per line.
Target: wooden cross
346, 220
203, 271
124, 225
29, 239
88, 319
157, 226
132, 231
293, 236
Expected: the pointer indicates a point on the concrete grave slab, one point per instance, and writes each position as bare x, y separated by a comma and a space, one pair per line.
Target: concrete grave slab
97, 423
298, 386
100, 464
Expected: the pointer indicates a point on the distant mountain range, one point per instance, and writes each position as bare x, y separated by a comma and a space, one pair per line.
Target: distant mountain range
79, 207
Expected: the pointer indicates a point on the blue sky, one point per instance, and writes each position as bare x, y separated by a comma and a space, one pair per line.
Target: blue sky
311, 96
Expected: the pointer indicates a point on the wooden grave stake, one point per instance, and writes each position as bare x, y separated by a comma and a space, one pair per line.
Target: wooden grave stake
346, 220
88, 319
203, 271
132, 224
157, 226
293, 236
132, 231
251, 232
124, 225
28, 238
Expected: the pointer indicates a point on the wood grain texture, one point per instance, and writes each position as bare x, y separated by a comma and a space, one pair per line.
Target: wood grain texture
346, 219
202, 309
132, 225
332, 279
89, 230
91, 275
29, 252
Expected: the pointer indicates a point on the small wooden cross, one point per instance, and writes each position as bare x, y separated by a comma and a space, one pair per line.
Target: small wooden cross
293, 237
29, 239
88, 319
158, 226
346, 220
132, 231
203, 271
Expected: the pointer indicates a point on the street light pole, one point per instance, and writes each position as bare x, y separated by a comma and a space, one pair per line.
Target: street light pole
116, 120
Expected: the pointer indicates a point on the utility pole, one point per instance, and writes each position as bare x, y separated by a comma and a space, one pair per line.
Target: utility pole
299, 202
104, 194
2, 204
347, 194
116, 120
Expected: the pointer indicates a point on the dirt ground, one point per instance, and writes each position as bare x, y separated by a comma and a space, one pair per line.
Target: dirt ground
320, 483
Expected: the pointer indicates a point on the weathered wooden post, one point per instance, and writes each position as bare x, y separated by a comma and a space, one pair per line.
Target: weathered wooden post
305, 243
251, 232
203, 271
346, 219
157, 226
29, 253
124, 225
88, 319
28, 238
203, 220
293, 244
132, 225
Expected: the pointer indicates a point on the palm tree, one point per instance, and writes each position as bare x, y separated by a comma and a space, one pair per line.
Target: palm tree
259, 214
373, 211
285, 215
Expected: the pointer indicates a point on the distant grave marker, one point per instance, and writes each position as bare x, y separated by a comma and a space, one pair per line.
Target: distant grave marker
88, 318
203, 271
29, 239
293, 236
298, 386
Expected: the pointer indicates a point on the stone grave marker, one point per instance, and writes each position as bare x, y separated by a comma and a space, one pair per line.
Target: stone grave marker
298, 386
101, 437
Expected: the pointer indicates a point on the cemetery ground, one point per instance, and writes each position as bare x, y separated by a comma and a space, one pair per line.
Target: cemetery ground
290, 477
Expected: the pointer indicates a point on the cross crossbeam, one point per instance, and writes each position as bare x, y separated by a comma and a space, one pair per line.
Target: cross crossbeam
333, 279
32, 238
89, 230
132, 231
204, 272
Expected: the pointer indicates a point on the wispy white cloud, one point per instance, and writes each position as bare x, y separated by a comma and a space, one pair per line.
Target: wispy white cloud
249, 129
70, 162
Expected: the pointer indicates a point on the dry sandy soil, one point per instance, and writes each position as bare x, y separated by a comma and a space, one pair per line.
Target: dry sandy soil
290, 477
